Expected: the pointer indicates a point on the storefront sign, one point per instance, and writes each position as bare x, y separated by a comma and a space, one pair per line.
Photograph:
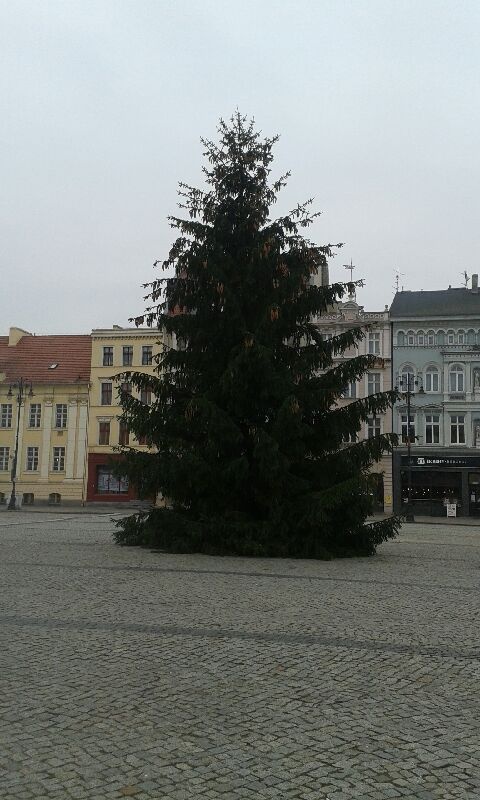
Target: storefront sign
441, 461
451, 510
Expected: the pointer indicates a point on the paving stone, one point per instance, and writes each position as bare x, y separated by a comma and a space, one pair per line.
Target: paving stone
183, 676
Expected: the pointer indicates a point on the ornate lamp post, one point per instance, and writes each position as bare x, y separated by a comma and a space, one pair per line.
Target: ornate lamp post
21, 386
406, 384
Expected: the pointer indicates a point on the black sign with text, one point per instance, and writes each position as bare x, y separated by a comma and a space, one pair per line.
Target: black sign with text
441, 461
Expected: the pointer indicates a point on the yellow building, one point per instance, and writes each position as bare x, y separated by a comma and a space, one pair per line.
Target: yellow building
114, 350
50, 419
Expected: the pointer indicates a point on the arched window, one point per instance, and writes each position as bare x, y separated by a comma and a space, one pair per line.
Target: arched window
441, 337
420, 338
457, 378
450, 337
407, 379
431, 338
410, 338
400, 339
432, 383
471, 336
461, 337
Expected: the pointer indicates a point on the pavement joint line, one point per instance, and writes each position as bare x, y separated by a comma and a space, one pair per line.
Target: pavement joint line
63, 518
258, 636
234, 573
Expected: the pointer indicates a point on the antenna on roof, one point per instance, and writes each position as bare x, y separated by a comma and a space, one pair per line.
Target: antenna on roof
466, 278
396, 284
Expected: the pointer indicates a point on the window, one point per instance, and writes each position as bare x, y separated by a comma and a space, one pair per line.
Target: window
127, 356
146, 396
6, 415
108, 356
126, 388
35, 415
142, 439
430, 338
147, 351
457, 383
420, 338
4, 457
407, 379
373, 427
32, 459
374, 343
106, 394
104, 433
441, 337
406, 433
350, 438
61, 415
400, 338
431, 379
432, 428
107, 483
461, 337
58, 463
410, 338
350, 391
450, 337
373, 382
123, 435
457, 429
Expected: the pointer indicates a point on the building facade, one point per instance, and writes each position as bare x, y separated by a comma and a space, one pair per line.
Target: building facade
376, 342
114, 351
51, 420
436, 350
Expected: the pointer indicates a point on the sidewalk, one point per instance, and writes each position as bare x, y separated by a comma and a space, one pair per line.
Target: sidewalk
90, 508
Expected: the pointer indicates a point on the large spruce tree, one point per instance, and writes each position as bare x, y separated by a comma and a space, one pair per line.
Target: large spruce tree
246, 434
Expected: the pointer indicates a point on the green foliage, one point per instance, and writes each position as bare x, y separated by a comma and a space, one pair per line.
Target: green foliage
247, 437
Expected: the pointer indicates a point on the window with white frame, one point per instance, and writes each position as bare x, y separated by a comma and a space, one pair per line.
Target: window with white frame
350, 391
349, 438
457, 429
58, 462
108, 356
410, 338
407, 431
373, 427
457, 378
61, 412
4, 457
32, 459
407, 379
432, 428
374, 343
432, 379
461, 337
35, 415
420, 338
431, 338
373, 383
6, 415
106, 394
450, 337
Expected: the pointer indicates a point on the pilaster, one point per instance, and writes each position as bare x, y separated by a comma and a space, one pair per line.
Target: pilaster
71, 433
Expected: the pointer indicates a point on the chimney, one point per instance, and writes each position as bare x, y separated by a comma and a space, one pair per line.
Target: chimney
475, 284
15, 334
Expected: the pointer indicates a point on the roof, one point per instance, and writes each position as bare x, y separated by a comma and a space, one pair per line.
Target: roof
32, 357
444, 303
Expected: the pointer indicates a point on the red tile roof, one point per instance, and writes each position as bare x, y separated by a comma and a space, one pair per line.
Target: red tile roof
32, 356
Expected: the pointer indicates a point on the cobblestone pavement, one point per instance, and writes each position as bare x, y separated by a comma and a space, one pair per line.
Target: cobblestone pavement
126, 673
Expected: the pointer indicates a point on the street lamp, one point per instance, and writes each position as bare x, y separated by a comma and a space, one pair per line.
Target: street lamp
406, 384
21, 386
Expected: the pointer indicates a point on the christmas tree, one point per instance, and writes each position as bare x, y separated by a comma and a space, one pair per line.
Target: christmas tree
247, 439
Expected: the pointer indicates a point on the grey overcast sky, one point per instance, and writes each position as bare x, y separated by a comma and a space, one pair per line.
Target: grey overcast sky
103, 103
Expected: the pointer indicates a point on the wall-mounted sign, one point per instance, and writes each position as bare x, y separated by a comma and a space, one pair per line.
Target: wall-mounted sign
441, 461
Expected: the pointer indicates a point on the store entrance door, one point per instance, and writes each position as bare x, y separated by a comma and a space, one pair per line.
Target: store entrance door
474, 493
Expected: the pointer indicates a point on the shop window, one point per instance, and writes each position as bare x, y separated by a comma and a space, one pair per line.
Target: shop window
54, 499
407, 431
108, 483
457, 429
432, 429
457, 379
432, 382
373, 383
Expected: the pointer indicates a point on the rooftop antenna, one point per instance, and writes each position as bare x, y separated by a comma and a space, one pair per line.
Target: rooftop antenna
466, 278
398, 275
351, 267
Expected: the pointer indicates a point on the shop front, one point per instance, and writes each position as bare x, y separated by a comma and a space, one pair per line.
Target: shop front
437, 480
103, 485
